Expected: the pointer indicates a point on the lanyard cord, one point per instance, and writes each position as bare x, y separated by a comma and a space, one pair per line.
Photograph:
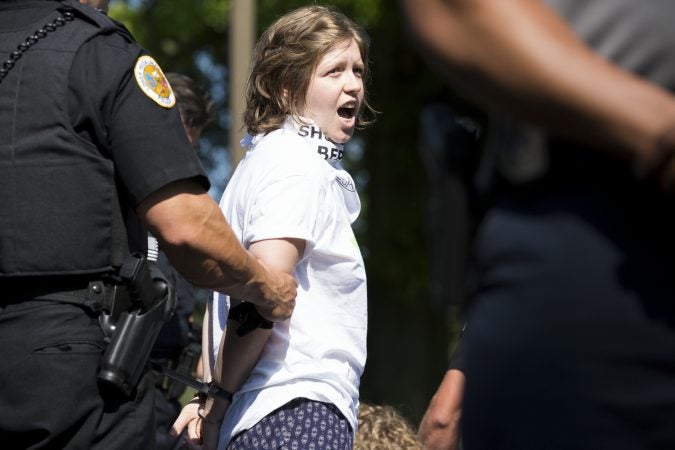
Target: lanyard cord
40, 33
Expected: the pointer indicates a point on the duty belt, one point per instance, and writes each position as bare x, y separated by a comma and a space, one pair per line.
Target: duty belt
96, 294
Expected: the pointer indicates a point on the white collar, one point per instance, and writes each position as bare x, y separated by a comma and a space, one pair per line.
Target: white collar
308, 131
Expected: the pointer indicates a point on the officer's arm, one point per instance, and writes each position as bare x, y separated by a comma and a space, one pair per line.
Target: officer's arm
200, 244
520, 56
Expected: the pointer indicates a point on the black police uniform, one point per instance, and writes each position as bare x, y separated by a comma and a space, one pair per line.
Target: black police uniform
570, 342
80, 146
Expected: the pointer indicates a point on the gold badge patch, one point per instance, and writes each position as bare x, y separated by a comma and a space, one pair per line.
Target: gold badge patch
153, 83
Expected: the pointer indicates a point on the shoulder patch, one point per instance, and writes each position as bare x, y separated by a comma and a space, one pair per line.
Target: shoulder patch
153, 83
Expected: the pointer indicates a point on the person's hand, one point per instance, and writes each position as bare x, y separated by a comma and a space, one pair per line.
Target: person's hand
189, 419
202, 421
210, 418
279, 291
660, 163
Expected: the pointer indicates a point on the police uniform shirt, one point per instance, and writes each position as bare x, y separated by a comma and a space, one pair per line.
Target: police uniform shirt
107, 106
147, 141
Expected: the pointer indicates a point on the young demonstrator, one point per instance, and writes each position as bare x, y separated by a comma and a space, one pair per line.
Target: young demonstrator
292, 205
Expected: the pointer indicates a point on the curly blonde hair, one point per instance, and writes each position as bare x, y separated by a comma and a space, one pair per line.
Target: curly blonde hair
285, 58
382, 427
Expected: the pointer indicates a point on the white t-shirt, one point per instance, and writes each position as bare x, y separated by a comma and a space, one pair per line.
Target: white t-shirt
290, 184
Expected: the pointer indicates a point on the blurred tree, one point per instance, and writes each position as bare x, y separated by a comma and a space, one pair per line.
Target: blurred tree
409, 336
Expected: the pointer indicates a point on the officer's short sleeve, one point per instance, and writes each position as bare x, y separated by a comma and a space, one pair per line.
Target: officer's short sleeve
145, 139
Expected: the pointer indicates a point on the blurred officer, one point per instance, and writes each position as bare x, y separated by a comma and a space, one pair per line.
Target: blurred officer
570, 336
91, 150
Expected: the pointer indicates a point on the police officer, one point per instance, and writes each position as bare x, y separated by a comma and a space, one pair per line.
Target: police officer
91, 151
570, 336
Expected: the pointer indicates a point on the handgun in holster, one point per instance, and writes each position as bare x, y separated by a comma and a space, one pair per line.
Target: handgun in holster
134, 330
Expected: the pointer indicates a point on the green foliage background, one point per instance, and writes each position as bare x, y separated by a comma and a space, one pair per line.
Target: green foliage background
409, 337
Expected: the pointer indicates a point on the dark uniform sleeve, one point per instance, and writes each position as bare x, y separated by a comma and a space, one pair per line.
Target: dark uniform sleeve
146, 141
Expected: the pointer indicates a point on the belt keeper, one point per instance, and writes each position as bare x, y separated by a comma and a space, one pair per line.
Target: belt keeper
112, 298
97, 295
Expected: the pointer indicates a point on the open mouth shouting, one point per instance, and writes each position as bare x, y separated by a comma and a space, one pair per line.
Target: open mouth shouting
335, 92
348, 111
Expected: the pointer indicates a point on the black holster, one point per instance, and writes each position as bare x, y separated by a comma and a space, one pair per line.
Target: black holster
133, 334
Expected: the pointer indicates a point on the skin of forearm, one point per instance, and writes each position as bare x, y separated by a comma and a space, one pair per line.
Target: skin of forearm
206, 346
237, 356
199, 242
244, 351
519, 56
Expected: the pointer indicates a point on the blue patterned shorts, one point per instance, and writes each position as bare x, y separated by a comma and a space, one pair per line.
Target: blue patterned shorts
300, 424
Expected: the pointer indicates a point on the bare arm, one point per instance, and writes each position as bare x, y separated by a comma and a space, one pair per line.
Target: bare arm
239, 354
520, 55
200, 244
206, 346
439, 429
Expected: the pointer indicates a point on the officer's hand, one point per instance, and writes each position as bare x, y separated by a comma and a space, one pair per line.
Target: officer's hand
279, 293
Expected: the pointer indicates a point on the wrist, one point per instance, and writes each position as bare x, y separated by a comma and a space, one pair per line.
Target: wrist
212, 390
213, 408
212, 403
257, 283
209, 417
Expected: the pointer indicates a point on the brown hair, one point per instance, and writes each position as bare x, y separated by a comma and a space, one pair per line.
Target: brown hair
285, 58
383, 427
196, 107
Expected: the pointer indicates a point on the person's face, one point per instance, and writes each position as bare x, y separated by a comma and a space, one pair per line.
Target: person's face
336, 92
